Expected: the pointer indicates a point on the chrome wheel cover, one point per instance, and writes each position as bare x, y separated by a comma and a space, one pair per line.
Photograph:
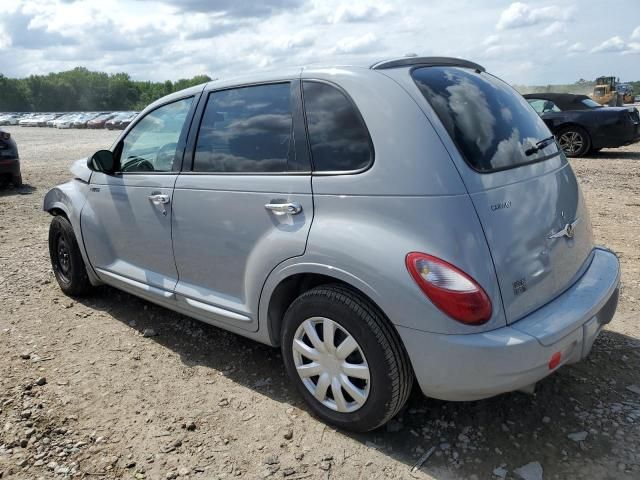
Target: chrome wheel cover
571, 142
331, 364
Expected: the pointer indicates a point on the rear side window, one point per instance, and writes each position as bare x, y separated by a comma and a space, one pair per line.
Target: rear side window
492, 125
337, 134
543, 106
246, 130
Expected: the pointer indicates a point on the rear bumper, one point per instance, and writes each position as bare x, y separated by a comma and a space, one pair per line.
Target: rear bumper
618, 137
9, 166
476, 366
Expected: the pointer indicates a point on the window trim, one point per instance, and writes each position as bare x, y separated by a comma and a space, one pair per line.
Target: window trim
182, 139
332, 173
458, 149
192, 141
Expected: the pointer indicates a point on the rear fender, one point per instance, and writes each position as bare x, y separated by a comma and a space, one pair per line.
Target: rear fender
68, 199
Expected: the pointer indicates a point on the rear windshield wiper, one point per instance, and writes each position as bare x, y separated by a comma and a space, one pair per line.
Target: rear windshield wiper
539, 146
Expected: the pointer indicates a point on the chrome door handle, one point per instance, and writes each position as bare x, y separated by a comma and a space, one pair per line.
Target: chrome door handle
292, 208
159, 199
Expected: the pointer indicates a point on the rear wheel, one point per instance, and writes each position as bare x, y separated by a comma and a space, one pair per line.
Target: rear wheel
66, 259
17, 180
574, 141
345, 358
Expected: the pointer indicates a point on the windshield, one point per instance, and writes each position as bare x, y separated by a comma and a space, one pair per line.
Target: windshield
590, 103
492, 125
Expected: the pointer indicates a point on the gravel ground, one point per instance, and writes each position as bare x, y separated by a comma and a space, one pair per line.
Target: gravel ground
84, 393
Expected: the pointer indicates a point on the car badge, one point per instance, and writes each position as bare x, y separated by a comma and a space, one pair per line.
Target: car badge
568, 230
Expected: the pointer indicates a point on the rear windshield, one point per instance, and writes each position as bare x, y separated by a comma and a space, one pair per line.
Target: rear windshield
492, 125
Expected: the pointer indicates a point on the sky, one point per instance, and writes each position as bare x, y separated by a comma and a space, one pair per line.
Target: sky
528, 43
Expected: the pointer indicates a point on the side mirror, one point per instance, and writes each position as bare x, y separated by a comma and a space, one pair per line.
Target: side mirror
102, 161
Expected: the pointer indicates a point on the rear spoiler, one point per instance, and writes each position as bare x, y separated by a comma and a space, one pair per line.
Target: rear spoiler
426, 62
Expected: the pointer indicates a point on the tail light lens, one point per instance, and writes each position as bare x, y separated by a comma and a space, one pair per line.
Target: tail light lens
450, 289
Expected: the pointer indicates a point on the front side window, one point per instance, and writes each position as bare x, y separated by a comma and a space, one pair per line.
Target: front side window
492, 125
151, 145
338, 136
246, 130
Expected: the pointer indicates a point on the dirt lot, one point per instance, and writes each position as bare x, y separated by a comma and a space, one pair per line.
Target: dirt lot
84, 393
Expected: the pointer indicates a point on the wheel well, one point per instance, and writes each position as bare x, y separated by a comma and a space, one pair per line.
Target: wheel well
291, 288
571, 124
58, 212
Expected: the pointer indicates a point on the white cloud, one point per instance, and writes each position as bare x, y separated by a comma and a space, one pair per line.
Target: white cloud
359, 13
537, 42
356, 45
614, 44
577, 47
633, 48
518, 15
491, 40
552, 29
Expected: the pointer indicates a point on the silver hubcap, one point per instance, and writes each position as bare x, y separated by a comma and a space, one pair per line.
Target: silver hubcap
571, 142
331, 364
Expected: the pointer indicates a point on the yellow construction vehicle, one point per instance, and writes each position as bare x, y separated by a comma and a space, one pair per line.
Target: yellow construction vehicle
608, 91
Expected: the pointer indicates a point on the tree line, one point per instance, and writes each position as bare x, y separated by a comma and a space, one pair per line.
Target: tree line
83, 90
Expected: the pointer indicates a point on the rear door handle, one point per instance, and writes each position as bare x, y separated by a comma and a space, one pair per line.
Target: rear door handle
292, 208
159, 198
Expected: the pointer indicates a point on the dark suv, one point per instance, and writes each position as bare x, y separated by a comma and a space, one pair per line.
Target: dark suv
9, 160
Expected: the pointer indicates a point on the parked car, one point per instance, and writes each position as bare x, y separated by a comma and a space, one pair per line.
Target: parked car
582, 125
9, 119
100, 120
64, 121
9, 161
439, 234
29, 120
120, 121
83, 119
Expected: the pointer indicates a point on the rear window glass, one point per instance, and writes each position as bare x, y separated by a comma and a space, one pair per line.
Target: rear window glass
492, 125
338, 137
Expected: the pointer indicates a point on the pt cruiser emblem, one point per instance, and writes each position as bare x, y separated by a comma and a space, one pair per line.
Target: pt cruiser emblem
567, 231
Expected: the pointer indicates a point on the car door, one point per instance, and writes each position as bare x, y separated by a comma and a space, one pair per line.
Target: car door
243, 203
126, 222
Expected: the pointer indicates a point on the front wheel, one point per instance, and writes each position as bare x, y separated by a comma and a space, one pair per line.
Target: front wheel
345, 358
66, 259
574, 141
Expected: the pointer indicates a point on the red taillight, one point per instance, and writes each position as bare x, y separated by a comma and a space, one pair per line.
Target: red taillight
450, 289
555, 360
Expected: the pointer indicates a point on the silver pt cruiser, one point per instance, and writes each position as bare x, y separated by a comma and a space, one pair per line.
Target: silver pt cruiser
413, 219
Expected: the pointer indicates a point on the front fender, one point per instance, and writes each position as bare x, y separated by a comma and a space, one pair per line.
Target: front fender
68, 199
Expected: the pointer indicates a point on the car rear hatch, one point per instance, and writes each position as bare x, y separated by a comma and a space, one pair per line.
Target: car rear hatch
522, 187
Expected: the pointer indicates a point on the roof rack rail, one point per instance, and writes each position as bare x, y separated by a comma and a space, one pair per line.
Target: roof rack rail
427, 62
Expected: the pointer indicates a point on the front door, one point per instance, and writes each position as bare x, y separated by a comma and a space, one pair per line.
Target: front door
244, 205
126, 221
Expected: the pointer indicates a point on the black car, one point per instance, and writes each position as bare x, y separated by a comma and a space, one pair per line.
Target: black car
9, 160
582, 125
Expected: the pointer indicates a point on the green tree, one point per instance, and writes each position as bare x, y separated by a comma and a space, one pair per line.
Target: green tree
83, 90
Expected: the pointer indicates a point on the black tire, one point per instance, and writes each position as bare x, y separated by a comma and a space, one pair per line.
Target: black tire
17, 181
574, 141
391, 377
66, 259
